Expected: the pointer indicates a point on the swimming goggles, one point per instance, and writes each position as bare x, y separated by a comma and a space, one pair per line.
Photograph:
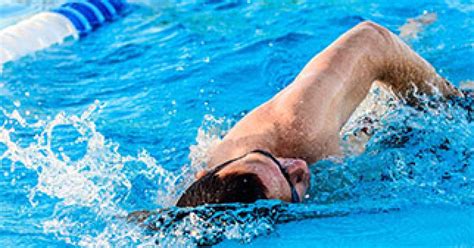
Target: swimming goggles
294, 194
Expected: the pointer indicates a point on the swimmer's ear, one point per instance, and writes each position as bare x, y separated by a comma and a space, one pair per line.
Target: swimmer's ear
200, 174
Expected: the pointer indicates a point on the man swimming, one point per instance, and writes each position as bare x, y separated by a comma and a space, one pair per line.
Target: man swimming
266, 154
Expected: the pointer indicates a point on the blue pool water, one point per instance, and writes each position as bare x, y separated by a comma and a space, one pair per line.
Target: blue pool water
94, 129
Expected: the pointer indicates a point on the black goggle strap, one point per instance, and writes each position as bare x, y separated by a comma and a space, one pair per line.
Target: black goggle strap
295, 198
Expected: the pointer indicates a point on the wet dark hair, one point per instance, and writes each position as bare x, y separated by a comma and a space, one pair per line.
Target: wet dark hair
234, 187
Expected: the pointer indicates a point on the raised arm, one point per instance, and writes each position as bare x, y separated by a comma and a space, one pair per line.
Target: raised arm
403, 71
340, 77
304, 119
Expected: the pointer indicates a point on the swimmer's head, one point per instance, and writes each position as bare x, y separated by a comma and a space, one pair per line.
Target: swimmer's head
254, 176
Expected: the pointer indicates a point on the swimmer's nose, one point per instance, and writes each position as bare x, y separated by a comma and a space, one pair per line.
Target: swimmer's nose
299, 173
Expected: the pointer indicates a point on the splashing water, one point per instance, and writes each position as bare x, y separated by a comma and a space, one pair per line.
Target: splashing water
413, 157
92, 183
97, 180
72, 178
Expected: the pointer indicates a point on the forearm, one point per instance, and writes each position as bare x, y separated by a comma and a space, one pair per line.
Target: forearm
405, 72
336, 81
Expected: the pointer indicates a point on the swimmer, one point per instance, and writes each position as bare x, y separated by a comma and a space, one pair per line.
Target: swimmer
267, 153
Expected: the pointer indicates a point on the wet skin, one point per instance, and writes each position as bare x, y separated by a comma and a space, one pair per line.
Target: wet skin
301, 124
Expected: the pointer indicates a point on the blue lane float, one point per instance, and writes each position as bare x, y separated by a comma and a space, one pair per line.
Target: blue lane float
74, 18
87, 15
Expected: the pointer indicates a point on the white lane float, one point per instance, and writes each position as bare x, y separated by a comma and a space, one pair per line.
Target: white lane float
74, 18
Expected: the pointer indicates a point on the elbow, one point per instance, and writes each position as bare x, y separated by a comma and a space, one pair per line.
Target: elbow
377, 42
373, 30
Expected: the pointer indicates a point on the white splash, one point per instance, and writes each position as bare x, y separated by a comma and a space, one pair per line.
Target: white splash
93, 182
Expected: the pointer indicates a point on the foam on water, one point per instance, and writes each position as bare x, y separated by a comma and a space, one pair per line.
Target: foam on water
92, 184
71, 178
97, 180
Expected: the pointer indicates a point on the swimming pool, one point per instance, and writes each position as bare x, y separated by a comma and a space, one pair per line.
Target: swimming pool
96, 128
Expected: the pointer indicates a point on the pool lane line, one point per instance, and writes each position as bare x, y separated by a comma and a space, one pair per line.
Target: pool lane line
75, 18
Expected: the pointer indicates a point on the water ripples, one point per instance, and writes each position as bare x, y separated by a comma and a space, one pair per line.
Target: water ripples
95, 129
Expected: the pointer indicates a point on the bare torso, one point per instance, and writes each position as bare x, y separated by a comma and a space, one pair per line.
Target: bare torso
284, 130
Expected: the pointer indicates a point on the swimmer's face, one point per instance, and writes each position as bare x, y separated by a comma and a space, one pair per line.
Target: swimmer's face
275, 184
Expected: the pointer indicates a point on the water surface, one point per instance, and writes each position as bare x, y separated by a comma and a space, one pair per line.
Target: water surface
93, 129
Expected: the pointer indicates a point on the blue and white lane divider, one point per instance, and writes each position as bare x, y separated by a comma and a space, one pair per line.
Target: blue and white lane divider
75, 18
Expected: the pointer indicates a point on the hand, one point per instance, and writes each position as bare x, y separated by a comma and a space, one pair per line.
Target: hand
467, 88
